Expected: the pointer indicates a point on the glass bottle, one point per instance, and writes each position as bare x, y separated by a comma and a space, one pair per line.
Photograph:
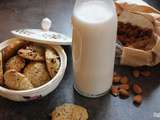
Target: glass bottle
93, 46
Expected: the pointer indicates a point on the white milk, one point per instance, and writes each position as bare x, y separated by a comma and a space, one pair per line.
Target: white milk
93, 48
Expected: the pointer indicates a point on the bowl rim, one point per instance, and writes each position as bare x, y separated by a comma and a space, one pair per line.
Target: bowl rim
63, 59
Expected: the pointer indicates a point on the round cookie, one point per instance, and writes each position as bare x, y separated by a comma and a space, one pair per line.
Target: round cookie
16, 62
16, 80
69, 112
52, 61
36, 72
32, 52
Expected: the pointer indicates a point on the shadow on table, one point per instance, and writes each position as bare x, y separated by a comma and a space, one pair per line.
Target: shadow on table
96, 107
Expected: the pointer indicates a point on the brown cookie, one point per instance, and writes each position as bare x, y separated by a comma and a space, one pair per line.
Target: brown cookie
16, 80
69, 112
12, 48
36, 72
52, 61
1, 69
16, 62
32, 52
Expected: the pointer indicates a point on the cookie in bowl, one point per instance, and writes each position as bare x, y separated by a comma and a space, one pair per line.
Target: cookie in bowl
1, 69
17, 81
37, 73
16, 62
52, 61
12, 46
32, 52
26, 77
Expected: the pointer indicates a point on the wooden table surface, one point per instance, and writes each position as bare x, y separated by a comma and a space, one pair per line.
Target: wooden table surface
28, 14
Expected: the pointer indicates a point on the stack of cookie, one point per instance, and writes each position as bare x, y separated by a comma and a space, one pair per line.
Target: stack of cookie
28, 65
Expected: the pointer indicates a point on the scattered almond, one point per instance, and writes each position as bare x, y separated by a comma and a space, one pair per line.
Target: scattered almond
124, 92
124, 80
137, 89
124, 86
146, 73
116, 79
115, 91
137, 99
136, 73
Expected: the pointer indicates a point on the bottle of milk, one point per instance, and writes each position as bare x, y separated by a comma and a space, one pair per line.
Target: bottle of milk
93, 47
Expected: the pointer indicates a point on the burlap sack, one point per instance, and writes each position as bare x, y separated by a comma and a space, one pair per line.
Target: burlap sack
137, 57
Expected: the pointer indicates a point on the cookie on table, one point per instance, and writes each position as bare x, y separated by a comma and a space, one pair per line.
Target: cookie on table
32, 52
52, 61
15, 62
1, 69
37, 73
17, 81
69, 112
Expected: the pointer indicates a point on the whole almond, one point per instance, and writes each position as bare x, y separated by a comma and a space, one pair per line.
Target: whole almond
124, 92
146, 73
124, 86
116, 79
115, 91
137, 89
136, 74
137, 99
124, 80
